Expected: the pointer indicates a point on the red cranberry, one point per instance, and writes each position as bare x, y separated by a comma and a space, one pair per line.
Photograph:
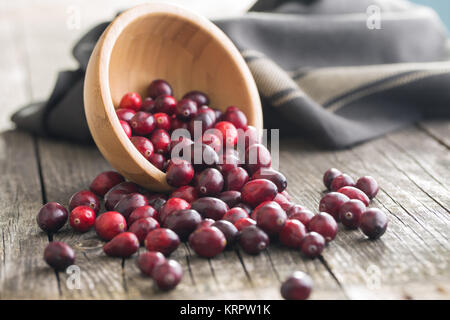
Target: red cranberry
123, 245
350, 213
286, 194
131, 100
176, 123
244, 206
329, 176
297, 287
186, 109
248, 138
105, 181
313, 244
172, 205
125, 114
203, 156
109, 224
115, 194
142, 227
270, 174
200, 123
228, 229
166, 104
188, 193
148, 105
157, 201
143, 145
228, 132
231, 198
340, 181
183, 222
179, 173
129, 202
161, 141
212, 140
167, 275
162, 121
84, 198
209, 207
368, 185
200, 98
206, 223
52, 217
159, 87
179, 146
207, 242
210, 112
209, 182
299, 213
354, 193
253, 240
162, 240
257, 156
243, 223
257, 191
324, 224
142, 212
126, 127
228, 162
236, 117
59, 255
332, 202
147, 261
82, 218
292, 234
374, 223
284, 202
142, 123
270, 217
234, 214
158, 160
219, 114
235, 179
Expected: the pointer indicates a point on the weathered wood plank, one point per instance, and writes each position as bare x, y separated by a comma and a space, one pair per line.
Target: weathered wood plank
438, 129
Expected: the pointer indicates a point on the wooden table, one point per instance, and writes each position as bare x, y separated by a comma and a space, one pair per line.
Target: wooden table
410, 261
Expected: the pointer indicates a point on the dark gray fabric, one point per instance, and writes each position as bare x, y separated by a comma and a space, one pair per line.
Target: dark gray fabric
322, 74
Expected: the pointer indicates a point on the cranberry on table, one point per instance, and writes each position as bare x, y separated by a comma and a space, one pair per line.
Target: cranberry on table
235, 179
165, 103
207, 242
143, 145
270, 217
210, 207
84, 198
243, 223
373, 223
236, 117
206, 223
52, 217
186, 109
158, 88
142, 227
368, 185
172, 205
115, 194
162, 240
231, 198
130, 202
158, 160
200, 123
257, 191
157, 201
125, 114
161, 141
329, 176
162, 121
350, 213
183, 222
257, 156
354, 193
147, 261
142, 212
104, 181
148, 105
340, 181
82, 218
200, 98
109, 224
244, 206
292, 234
228, 229
284, 202
123, 245
142, 123
253, 240
312, 245
301, 214
179, 173
188, 193
297, 287
167, 275
131, 100
234, 214
332, 202
209, 182
126, 127
324, 224
59, 255
270, 174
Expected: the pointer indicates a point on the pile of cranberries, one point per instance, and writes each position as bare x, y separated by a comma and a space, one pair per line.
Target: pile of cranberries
225, 193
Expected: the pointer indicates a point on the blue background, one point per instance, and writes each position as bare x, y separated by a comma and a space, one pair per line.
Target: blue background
442, 7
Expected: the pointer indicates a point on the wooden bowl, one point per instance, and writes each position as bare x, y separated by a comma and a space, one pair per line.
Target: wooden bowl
160, 41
